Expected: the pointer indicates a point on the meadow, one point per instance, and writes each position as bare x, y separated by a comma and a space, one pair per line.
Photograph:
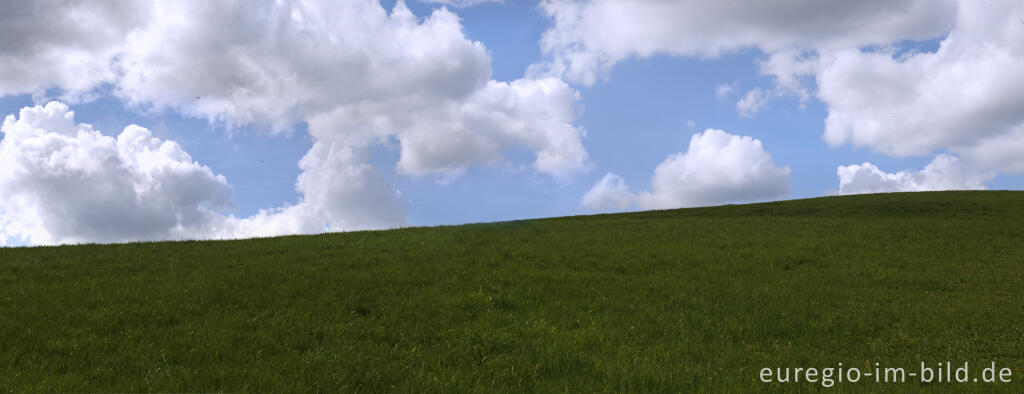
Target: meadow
687, 300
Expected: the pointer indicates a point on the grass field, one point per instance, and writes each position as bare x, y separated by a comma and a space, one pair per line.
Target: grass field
660, 301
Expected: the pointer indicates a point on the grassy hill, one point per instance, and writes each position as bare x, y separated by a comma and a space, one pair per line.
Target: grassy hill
677, 300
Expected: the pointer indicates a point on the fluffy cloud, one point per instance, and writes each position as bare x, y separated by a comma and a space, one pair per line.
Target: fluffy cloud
609, 193
752, 102
353, 71
1000, 152
725, 90
340, 192
945, 172
66, 182
357, 74
717, 168
63, 182
445, 137
588, 37
965, 97
462, 3
64, 44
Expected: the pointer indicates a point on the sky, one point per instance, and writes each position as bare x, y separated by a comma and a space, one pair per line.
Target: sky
166, 120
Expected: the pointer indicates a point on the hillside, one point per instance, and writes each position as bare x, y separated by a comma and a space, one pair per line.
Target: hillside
647, 301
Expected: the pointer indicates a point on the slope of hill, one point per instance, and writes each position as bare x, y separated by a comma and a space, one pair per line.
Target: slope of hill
651, 301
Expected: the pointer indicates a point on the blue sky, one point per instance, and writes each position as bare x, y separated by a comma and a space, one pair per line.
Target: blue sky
649, 100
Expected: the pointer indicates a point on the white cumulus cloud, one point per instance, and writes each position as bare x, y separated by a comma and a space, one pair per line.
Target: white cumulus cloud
717, 168
354, 72
462, 3
945, 172
588, 37
752, 102
69, 45
966, 97
725, 90
66, 182
63, 182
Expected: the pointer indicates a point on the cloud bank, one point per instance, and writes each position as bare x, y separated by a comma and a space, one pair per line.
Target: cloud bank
880, 93
354, 72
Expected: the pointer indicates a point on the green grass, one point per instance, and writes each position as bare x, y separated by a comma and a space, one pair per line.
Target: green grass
661, 301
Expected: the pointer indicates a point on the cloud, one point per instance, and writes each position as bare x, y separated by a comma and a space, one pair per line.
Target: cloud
589, 37
462, 3
349, 193
752, 102
787, 67
1000, 152
289, 60
63, 44
66, 182
610, 193
945, 172
354, 72
717, 168
446, 137
340, 192
965, 97
725, 90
